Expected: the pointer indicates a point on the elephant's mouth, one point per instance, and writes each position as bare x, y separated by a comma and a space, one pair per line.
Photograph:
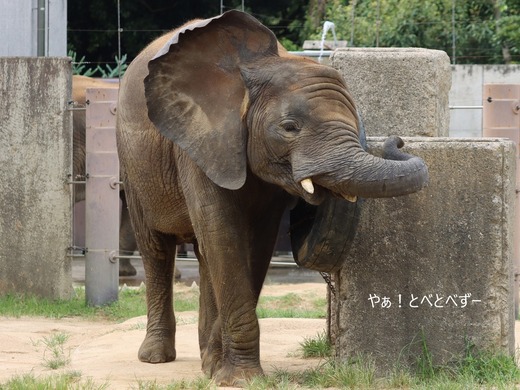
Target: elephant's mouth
315, 194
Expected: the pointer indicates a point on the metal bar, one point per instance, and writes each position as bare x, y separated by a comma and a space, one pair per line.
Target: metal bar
312, 53
194, 259
466, 107
41, 49
101, 198
74, 106
126, 257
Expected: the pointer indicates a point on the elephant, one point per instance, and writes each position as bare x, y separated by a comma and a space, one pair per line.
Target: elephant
127, 243
219, 131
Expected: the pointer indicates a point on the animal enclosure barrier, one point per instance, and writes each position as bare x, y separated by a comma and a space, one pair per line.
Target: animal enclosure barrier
101, 198
501, 118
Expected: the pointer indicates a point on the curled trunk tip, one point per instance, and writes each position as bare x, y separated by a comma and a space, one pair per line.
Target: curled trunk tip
391, 149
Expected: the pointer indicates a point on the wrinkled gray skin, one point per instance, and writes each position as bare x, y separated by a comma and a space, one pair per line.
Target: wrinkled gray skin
215, 134
127, 243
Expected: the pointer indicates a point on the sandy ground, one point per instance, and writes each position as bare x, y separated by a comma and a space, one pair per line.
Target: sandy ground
107, 352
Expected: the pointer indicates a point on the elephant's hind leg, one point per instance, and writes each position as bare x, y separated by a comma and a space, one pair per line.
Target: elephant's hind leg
127, 242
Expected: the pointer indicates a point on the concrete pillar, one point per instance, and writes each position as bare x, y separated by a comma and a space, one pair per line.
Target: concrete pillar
435, 265
35, 159
398, 91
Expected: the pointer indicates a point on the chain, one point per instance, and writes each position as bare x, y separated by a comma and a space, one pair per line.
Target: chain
328, 279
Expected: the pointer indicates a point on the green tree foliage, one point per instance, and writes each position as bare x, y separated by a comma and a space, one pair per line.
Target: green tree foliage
485, 31
92, 24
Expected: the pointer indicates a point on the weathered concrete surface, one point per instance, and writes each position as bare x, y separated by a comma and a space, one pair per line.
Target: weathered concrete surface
35, 158
398, 91
451, 239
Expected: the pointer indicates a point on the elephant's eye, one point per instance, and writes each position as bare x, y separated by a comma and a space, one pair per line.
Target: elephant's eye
290, 126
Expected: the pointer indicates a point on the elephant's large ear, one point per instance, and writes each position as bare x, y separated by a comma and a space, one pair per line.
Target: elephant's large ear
195, 93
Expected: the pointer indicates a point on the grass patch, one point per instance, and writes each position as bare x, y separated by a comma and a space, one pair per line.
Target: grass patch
292, 305
485, 372
353, 375
200, 383
67, 381
474, 370
318, 347
132, 303
54, 355
17, 305
186, 299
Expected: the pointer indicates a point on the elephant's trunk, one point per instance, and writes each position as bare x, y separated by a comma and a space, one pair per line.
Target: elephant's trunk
397, 173
358, 173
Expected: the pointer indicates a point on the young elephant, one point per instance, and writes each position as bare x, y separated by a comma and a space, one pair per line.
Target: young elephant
219, 132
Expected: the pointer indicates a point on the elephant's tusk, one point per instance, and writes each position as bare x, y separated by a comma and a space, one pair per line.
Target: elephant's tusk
307, 185
350, 198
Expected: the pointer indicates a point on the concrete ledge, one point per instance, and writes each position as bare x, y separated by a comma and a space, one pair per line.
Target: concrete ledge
35, 158
436, 264
398, 90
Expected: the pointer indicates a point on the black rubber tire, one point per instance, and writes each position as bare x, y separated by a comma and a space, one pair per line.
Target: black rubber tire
321, 236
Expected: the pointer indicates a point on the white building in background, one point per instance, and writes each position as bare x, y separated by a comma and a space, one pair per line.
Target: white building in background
33, 28
467, 86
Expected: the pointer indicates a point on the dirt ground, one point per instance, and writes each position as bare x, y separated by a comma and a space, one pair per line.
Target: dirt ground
107, 352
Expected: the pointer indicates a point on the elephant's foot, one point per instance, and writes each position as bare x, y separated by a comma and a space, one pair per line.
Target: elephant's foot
157, 349
126, 268
211, 361
229, 375
177, 274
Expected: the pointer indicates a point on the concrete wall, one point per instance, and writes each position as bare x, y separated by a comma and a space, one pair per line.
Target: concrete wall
19, 28
35, 158
467, 86
450, 240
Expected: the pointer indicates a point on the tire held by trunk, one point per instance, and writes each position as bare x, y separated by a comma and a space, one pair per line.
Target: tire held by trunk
321, 236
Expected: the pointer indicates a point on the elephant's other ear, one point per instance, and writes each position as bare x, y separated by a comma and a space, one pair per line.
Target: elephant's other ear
195, 93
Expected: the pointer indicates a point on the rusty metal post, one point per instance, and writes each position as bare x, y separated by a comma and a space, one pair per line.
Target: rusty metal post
501, 118
101, 198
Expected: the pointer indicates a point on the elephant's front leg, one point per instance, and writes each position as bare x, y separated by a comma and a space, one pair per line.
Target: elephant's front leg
228, 325
229, 334
210, 340
158, 252
237, 331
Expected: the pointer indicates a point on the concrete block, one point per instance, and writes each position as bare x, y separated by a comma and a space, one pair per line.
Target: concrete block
436, 265
35, 158
398, 91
